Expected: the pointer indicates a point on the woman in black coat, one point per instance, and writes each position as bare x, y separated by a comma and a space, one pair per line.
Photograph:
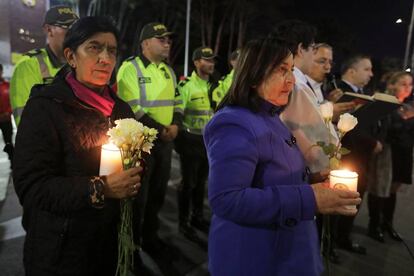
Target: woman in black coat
394, 165
70, 212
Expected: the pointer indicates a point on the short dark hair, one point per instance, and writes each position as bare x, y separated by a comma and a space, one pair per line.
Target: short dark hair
351, 61
86, 27
294, 32
256, 62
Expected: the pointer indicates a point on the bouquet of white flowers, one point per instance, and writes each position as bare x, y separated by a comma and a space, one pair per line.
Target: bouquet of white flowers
132, 138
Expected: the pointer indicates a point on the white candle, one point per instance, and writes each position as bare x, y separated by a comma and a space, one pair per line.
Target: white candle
110, 159
345, 180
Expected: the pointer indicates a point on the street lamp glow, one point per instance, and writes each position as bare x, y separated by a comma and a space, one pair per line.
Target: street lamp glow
398, 21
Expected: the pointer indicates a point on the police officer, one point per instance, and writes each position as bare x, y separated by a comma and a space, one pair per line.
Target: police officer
148, 84
224, 84
197, 112
41, 65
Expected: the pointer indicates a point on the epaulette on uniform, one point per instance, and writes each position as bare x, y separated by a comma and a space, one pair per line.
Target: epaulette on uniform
33, 52
183, 82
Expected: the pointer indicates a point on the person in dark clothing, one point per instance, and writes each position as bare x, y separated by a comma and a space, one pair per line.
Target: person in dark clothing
394, 165
356, 72
6, 125
70, 212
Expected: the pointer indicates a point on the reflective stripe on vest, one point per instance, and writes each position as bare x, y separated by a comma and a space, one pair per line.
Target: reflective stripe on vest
143, 91
43, 67
139, 114
17, 111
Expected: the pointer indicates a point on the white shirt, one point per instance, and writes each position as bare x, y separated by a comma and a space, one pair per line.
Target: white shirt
303, 117
317, 89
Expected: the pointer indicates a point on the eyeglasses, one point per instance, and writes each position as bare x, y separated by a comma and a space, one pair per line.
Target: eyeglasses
324, 61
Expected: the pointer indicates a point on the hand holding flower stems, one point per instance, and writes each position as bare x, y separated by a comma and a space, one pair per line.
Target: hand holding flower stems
132, 138
123, 184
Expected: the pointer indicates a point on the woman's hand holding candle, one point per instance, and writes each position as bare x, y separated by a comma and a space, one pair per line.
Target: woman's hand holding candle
335, 201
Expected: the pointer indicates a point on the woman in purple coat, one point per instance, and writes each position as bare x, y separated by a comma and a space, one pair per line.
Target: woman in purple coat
263, 207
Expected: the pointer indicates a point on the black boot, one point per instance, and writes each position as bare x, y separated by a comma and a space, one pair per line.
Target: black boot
388, 214
374, 208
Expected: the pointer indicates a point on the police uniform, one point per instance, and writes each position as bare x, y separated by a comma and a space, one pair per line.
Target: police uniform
222, 89
38, 66
197, 112
35, 67
149, 89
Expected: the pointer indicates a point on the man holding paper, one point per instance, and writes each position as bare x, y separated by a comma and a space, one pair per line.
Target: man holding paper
356, 72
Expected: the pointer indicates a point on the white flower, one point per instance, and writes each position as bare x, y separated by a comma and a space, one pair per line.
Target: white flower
346, 122
147, 147
130, 135
327, 111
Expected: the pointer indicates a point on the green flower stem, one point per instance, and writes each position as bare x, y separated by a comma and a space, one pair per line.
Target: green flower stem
126, 245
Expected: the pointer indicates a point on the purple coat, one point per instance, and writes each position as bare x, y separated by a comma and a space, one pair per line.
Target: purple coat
263, 208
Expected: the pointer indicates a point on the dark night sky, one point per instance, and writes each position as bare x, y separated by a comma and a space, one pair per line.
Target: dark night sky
370, 22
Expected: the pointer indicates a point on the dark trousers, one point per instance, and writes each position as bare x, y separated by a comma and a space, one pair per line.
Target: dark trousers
152, 193
194, 170
7, 131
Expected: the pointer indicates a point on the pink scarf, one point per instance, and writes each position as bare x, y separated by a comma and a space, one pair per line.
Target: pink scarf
104, 103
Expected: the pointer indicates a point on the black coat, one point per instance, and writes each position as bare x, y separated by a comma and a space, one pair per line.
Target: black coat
58, 148
361, 142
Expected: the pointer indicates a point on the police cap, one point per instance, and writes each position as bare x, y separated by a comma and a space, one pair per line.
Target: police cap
61, 16
154, 29
203, 53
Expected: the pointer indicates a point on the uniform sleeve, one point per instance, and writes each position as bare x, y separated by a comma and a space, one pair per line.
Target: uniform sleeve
128, 90
233, 157
25, 76
38, 171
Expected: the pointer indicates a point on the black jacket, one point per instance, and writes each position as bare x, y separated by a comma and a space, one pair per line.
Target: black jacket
58, 148
360, 141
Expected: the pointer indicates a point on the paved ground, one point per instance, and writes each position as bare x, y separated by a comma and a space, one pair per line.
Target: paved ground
390, 258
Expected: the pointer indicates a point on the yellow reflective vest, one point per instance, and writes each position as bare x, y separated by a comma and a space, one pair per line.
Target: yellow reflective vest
35, 67
222, 89
148, 88
195, 103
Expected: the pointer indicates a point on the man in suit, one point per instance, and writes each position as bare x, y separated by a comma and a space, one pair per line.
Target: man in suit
356, 72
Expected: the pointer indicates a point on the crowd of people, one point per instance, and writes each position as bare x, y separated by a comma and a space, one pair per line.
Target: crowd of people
250, 135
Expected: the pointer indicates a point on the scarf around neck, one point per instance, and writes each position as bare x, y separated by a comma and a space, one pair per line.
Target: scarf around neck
104, 103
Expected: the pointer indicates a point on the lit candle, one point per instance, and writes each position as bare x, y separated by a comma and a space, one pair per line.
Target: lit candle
345, 180
110, 159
